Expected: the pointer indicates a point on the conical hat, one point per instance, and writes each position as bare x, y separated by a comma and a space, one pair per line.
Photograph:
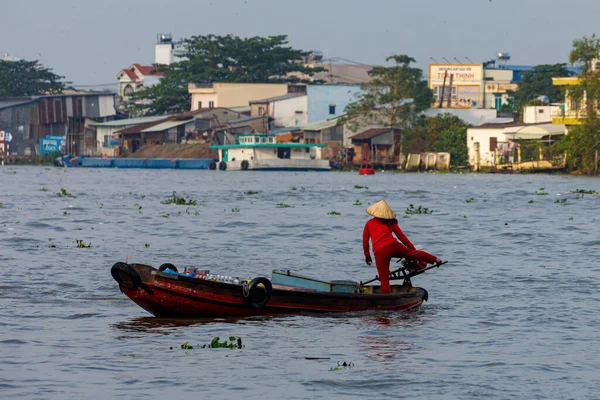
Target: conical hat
381, 210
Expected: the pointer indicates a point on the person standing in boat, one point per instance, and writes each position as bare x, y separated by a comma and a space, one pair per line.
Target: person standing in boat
385, 247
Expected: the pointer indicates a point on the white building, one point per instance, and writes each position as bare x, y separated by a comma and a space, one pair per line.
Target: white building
134, 79
285, 111
166, 50
490, 144
539, 114
105, 132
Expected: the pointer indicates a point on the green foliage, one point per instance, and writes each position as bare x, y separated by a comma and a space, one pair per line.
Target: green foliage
580, 145
420, 210
538, 82
180, 201
235, 210
394, 97
469, 200
212, 58
282, 205
251, 192
357, 203
360, 187
584, 52
28, 78
530, 202
560, 201
442, 133
540, 192
334, 213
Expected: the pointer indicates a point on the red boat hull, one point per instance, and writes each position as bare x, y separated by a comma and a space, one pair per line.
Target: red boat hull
173, 296
366, 171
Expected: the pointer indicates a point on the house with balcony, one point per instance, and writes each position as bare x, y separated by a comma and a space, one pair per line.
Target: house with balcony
134, 79
572, 112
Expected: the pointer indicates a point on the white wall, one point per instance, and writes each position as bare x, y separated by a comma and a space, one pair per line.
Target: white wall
473, 116
284, 112
482, 136
539, 114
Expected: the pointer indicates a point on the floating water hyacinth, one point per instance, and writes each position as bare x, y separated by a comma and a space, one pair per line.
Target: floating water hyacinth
334, 213
420, 210
282, 205
469, 200
63, 193
540, 192
180, 201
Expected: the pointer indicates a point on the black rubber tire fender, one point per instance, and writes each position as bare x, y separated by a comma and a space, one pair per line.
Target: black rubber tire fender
167, 266
245, 165
126, 276
222, 166
212, 166
258, 297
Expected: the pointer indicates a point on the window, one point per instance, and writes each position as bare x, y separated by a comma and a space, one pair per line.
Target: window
332, 109
211, 104
128, 90
261, 111
199, 105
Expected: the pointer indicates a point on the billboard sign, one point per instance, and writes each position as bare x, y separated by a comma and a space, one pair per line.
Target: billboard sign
52, 144
462, 74
466, 84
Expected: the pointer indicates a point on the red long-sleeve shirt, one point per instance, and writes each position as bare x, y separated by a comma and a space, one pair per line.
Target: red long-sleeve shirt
381, 235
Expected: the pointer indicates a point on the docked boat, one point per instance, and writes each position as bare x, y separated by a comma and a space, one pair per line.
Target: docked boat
260, 151
366, 168
164, 292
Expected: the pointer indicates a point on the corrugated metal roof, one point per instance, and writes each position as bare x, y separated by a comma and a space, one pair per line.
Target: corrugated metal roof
370, 133
541, 130
241, 109
130, 121
281, 131
12, 103
246, 119
163, 126
277, 98
320, 125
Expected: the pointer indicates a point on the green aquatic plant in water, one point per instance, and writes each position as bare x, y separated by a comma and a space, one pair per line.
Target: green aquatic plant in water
360, 187
179, 201
419, 210
540, 192
235, 210
560, 201
82, 245
530, 202
584, 191
232, 343
334, 213
282, 205
251, 192
342, 365
357, 203
469, 200
63, 193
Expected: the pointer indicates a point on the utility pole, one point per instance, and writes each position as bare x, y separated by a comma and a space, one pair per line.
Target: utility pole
442, 94
450, 91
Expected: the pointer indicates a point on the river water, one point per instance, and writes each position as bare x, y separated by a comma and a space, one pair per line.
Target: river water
514, 314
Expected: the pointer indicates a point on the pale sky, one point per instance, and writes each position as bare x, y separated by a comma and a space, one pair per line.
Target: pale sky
89, 42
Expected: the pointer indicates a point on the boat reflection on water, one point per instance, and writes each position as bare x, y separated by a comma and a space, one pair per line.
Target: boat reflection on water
166, 326
384, 336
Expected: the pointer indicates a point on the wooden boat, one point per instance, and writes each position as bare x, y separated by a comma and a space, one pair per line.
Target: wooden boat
366, 168
164, 293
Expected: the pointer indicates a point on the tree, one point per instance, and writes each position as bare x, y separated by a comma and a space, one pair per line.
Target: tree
394, 97
538, 82
212, 58
442, 133
28, 78
583, 141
